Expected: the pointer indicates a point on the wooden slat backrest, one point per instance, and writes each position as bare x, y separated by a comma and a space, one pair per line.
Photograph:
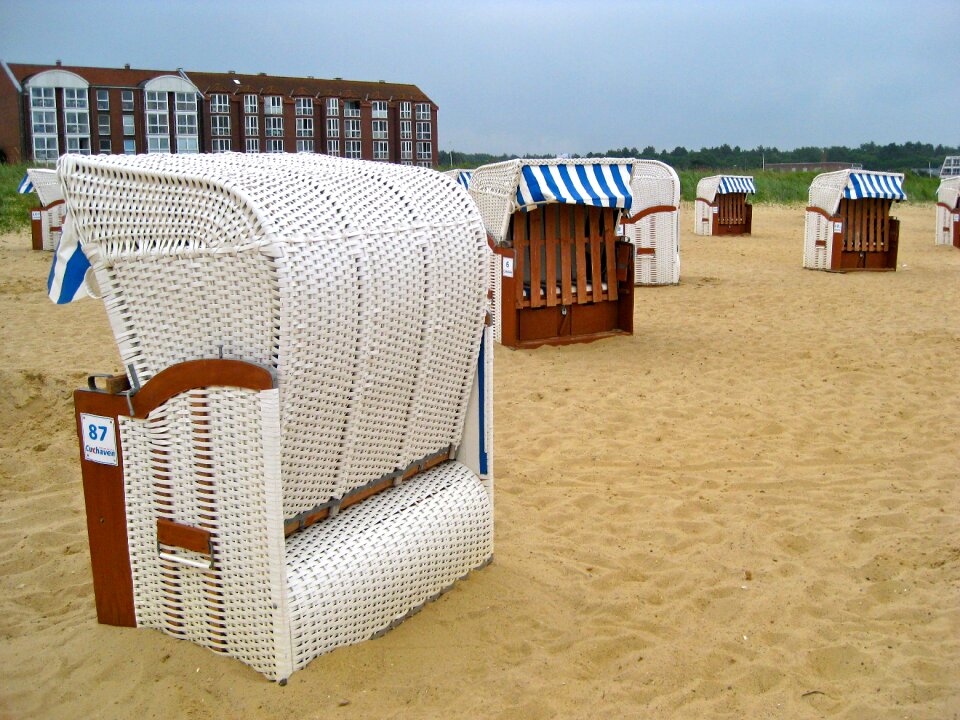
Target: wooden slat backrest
567, 218
536, 248
865, 222
567, 247
732, 208
551, 238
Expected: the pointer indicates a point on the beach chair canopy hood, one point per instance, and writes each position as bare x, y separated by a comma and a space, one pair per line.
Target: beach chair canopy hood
949, 192
460, 176
502, 188
828, 189
709, 187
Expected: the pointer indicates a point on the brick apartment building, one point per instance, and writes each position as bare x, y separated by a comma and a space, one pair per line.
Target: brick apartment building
47, 110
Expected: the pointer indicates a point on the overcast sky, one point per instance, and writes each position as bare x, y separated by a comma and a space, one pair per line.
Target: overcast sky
551, 76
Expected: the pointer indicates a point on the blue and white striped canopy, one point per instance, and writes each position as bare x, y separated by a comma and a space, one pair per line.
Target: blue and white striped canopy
25, 185
598, 185
463, 178
67, 279
874, 185
736, 184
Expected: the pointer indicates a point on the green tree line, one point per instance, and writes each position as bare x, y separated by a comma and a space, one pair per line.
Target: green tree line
891, 157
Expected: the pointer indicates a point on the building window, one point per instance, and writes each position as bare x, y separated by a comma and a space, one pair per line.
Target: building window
406, 130
304, 127
352, 149
423, 130
128, 125
333, 147
220, 125
103, 125
381, 150
220, 145
273, 127
250, 103
75, 98
126, 100
379, 108
45, 148
423, 111
43, 118
406, 150
103, 99
105, 146
129, 146
352, 129
351, 108
251, 125
188, 137
305, 146
274, 146
252, 145
304, 106
158, 122
424, 151
333, 127
333, 106
273, 105
78, 144
76, 122
379, 129
405, 110
219, 102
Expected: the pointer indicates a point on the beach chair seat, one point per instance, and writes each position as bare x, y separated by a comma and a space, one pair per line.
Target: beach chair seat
721, 206
948, 212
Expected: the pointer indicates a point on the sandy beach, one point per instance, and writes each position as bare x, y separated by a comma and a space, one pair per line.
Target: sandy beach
748, 509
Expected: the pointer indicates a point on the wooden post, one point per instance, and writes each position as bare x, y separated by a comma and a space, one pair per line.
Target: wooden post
36, 228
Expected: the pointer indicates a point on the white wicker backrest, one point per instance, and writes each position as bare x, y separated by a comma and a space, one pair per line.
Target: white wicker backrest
949, 191
653, 183
494, 188
826, 190
46, 184
363, 284
707, 188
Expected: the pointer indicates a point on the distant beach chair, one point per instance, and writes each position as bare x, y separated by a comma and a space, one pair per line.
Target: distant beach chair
561, 273
46, 221
652, 224
948, 212
304, 458
848, 224
721, 207
461, 176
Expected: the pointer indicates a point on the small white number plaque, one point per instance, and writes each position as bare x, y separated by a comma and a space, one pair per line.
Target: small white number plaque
34, 214
508, 267
838, 227
99, 439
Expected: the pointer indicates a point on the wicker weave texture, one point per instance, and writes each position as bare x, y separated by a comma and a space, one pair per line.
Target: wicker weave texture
654, 184
237, 606
948, 193
363, 284
386, 556
46, 185
816, 229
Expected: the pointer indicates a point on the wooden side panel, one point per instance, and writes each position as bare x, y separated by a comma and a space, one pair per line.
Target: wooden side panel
596, 245
536, 248
520, 247
610, 254
106, 515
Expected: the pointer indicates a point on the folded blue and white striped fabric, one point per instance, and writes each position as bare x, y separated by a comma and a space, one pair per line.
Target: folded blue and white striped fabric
464, 179
597, 185
66, 281
25, 185
870, 185
736, 184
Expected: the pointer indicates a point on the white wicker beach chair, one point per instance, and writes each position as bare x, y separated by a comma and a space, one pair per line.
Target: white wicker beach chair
948, 212
302, 333
652, 224
52, 208
721, 207
560, 272
848, 224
